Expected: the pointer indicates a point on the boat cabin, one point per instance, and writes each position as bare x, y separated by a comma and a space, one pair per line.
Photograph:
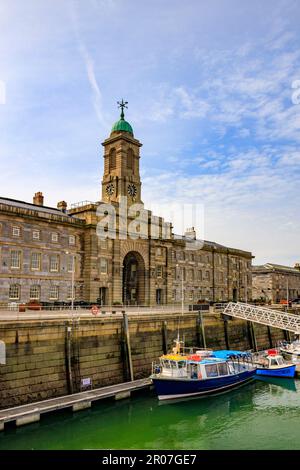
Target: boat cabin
193, 368
271, 359
275, 361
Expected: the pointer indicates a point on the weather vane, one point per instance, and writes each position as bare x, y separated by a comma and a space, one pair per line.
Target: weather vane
122, 104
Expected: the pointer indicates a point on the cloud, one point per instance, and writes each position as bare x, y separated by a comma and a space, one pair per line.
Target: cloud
88, 61
192, 106
94, 85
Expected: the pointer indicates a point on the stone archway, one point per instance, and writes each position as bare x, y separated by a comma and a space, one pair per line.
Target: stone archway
133, 282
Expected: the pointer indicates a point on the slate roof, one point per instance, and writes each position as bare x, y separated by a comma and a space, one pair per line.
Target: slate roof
275, 267
34, 207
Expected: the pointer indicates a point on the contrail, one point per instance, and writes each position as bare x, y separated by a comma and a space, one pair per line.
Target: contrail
89, 65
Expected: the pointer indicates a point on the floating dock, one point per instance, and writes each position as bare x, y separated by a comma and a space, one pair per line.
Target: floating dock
31, 413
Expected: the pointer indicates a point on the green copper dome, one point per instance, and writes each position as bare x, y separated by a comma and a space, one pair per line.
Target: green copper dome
121, 124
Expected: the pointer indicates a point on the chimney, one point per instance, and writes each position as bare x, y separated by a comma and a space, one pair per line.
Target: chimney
190, 233
62, 206
38, 199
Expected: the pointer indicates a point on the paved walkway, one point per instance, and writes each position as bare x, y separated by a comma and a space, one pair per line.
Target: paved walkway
85, 313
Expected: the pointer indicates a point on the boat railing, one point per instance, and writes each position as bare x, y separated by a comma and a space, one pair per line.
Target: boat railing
158, 368
192, 350
246, 362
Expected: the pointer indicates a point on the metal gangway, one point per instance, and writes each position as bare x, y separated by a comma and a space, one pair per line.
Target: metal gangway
264, 316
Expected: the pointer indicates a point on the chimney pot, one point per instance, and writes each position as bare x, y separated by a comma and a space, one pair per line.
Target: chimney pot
190, 233
38, 199
62, 206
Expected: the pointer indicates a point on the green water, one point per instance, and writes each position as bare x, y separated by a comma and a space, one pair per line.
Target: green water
260, 415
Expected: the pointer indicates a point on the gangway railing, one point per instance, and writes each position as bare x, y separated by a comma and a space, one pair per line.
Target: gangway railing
264, 316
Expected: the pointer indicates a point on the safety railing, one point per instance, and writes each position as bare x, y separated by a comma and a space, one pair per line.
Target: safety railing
264, 316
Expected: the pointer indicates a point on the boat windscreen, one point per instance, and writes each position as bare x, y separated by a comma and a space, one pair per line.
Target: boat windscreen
181, 364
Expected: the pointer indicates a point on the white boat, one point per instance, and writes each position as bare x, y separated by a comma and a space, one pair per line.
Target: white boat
291, 351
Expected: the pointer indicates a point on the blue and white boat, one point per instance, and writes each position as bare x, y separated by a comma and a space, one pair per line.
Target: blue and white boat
271, 364
200, 373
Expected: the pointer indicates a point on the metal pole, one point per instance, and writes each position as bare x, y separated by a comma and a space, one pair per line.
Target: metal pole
72, 286
182, 298
287, 294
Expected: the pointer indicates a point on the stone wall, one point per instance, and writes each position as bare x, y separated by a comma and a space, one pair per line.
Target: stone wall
46, 359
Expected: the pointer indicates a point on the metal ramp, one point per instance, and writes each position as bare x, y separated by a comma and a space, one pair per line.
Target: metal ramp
264, 316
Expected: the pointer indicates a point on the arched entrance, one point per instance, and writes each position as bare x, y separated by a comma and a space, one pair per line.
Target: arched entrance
133, 279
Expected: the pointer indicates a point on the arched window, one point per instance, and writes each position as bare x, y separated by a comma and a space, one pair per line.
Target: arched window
112, 160
130, 157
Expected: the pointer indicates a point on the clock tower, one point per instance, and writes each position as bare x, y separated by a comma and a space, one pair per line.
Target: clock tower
121, 163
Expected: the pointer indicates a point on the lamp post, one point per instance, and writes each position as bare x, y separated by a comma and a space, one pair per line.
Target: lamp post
182, 301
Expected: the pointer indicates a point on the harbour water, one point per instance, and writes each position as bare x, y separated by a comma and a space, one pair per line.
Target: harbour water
264, 414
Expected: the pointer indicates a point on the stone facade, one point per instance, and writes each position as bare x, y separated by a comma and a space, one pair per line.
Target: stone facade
138, 263
37, 246
274, 283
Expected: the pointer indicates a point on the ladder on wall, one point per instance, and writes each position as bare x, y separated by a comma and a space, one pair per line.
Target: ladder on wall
264, 316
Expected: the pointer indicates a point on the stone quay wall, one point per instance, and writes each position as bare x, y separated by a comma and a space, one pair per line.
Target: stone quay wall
51, 358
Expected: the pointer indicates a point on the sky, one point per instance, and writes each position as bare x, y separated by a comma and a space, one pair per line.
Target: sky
213, 88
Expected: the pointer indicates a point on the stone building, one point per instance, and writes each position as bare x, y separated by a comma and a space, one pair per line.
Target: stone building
122, 253
273, 282
38, 246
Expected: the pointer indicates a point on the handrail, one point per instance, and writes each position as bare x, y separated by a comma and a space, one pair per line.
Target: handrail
264, 316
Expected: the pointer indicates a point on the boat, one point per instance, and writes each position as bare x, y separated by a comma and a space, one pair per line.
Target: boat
188, 373
271, 364
291, 350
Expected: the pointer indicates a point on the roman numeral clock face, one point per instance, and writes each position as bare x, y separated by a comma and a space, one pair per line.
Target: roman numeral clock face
132, 191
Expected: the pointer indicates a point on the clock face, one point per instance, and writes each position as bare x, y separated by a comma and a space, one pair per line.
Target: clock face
110, 189
131, 189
